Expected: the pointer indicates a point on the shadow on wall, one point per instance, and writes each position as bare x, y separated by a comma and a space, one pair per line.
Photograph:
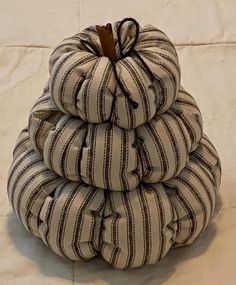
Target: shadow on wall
97, 270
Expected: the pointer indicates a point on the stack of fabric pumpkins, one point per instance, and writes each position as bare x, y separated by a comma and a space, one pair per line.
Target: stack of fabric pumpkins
114, 161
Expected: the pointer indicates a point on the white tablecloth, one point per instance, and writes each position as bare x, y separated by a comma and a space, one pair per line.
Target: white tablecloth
204, 32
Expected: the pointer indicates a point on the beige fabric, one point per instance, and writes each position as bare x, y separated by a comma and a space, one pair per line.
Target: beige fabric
129, 189
83, 84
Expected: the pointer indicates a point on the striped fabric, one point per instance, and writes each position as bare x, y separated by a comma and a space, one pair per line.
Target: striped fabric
83, 85
90, 175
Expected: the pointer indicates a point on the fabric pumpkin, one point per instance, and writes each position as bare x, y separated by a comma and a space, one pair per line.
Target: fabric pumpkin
93, 175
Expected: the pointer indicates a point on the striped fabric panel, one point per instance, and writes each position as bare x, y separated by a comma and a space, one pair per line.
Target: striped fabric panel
44, 103
151, 36
166, 70
61, 141
73, 148
193, 192
137, 83
165, 147
187, 109
63, 147
68, 45
95, 97
90, 35
157, 50
138, 226
83, 84
22, 143
110, 158
67, 76
209, 157
29, 183
74, 43
58, 138
169, 138
64, 214
70, 222
43, 116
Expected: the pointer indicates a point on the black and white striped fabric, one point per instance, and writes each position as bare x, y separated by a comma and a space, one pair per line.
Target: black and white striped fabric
91, 177
83, 85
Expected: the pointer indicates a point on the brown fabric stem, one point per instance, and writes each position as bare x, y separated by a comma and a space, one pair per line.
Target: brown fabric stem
107, 41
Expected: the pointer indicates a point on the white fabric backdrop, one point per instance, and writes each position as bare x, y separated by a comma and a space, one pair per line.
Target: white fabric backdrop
205, 35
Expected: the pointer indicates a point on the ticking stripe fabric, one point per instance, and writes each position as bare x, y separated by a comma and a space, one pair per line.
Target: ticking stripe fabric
82, 84
91, 175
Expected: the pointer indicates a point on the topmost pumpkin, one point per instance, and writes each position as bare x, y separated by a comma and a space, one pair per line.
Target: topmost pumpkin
83, 82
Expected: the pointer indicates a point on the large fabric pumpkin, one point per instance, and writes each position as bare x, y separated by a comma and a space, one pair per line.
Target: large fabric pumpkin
114, 160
